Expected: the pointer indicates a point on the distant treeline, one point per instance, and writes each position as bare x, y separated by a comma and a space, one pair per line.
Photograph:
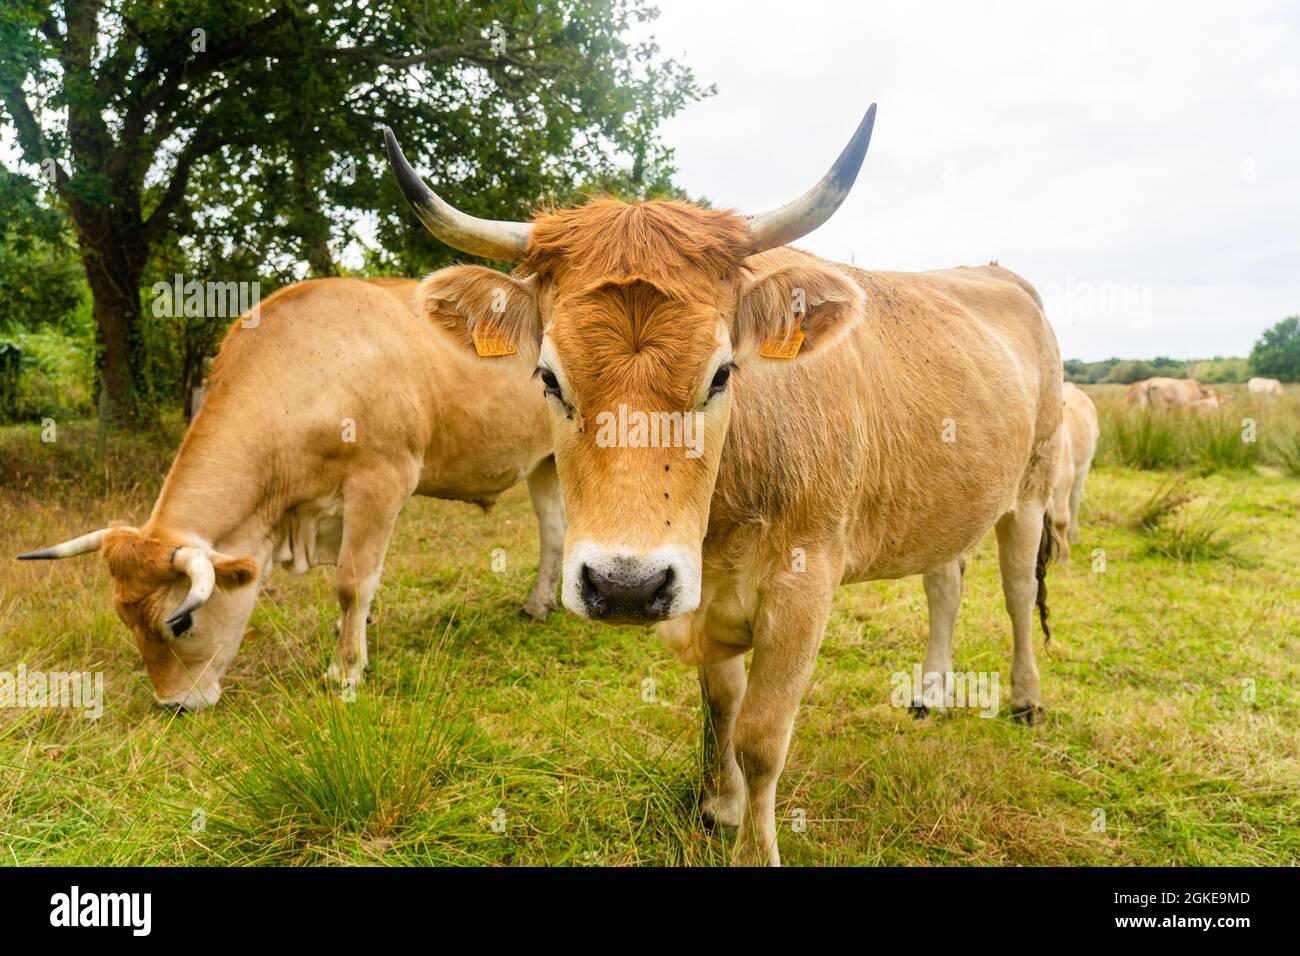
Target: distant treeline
1275, 354
1126, 371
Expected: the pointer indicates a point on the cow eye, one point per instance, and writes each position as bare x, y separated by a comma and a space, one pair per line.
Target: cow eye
549, 381
183, 625
720, 379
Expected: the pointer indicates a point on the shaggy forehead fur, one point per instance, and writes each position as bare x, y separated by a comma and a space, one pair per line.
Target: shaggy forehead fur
629, 342
637, 291
679, 248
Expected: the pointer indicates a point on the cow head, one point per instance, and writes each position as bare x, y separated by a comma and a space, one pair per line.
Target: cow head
186, 606
636, 317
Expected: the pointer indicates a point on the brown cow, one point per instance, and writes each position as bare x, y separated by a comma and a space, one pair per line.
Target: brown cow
1079, 433
1176, 394
303, 452
856, 425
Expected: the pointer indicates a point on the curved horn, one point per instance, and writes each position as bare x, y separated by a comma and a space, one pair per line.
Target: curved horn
793, 220
195, 565
69, 549
489, 238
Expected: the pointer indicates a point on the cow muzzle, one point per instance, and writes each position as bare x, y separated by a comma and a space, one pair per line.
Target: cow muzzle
622, 586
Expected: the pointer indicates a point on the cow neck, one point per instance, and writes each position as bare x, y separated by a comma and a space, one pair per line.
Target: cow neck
210, 493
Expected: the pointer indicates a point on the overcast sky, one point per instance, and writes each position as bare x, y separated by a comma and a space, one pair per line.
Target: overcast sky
1138, 161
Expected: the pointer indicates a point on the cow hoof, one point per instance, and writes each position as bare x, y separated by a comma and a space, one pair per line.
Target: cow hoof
538, 611
720, 815
1028, 714
334, 674
918, 711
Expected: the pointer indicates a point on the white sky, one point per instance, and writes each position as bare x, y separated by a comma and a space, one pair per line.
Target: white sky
1138, 161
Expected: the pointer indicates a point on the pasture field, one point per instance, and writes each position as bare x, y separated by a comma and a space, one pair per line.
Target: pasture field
1172, 686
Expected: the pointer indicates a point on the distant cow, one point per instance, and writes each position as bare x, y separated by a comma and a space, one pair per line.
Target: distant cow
1179, 394
1079, 433
324, 416
1264, 386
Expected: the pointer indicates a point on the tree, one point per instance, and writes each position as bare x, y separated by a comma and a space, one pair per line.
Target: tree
1128, 372
251, 125
1277, 353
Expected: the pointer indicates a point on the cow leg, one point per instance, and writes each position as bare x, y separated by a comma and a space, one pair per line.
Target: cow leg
1019, 534
1076, 499
943, 596
548, 503
723, 684
368, 520
787, 632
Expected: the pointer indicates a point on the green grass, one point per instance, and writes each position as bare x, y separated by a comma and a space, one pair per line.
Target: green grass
1172, 686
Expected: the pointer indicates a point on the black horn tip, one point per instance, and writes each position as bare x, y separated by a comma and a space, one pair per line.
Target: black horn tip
413, 188
33, 556
850, 160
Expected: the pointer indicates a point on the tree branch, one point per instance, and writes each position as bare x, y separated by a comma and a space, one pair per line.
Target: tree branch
34, 146
193, 151
162, 96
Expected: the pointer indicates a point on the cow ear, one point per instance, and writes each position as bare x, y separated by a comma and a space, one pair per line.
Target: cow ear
487, 311
794, 312
234, 572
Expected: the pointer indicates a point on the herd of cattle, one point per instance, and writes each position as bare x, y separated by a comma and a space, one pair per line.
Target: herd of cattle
1189, 395
843, 442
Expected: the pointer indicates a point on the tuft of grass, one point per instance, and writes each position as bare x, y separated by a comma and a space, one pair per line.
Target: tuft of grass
1220, 445
1145, 440
1286, 452
327, 764
1182, 536
1195, 537
1167, 498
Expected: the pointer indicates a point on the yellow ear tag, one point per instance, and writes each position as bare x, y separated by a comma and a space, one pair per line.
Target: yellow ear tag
783, 348
488, 343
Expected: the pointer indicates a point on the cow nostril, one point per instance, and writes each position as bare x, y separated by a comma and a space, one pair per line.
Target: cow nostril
623, 597
591, 592
662, 595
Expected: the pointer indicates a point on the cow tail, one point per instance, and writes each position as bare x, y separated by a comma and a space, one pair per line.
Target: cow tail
1047, 547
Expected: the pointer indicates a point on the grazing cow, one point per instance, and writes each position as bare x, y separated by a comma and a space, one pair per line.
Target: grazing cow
1177, 394
1210, 405
1264, 386
310, 440
856, 425
1079, 433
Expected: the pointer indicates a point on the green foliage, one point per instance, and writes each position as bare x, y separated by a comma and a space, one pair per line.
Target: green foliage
1277, 353
1115, 371
247, 137
1219, 371
1126, 373
41, 281
45, 374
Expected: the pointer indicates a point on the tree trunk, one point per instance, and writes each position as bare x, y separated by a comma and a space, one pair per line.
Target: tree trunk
113, 272
319, 258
